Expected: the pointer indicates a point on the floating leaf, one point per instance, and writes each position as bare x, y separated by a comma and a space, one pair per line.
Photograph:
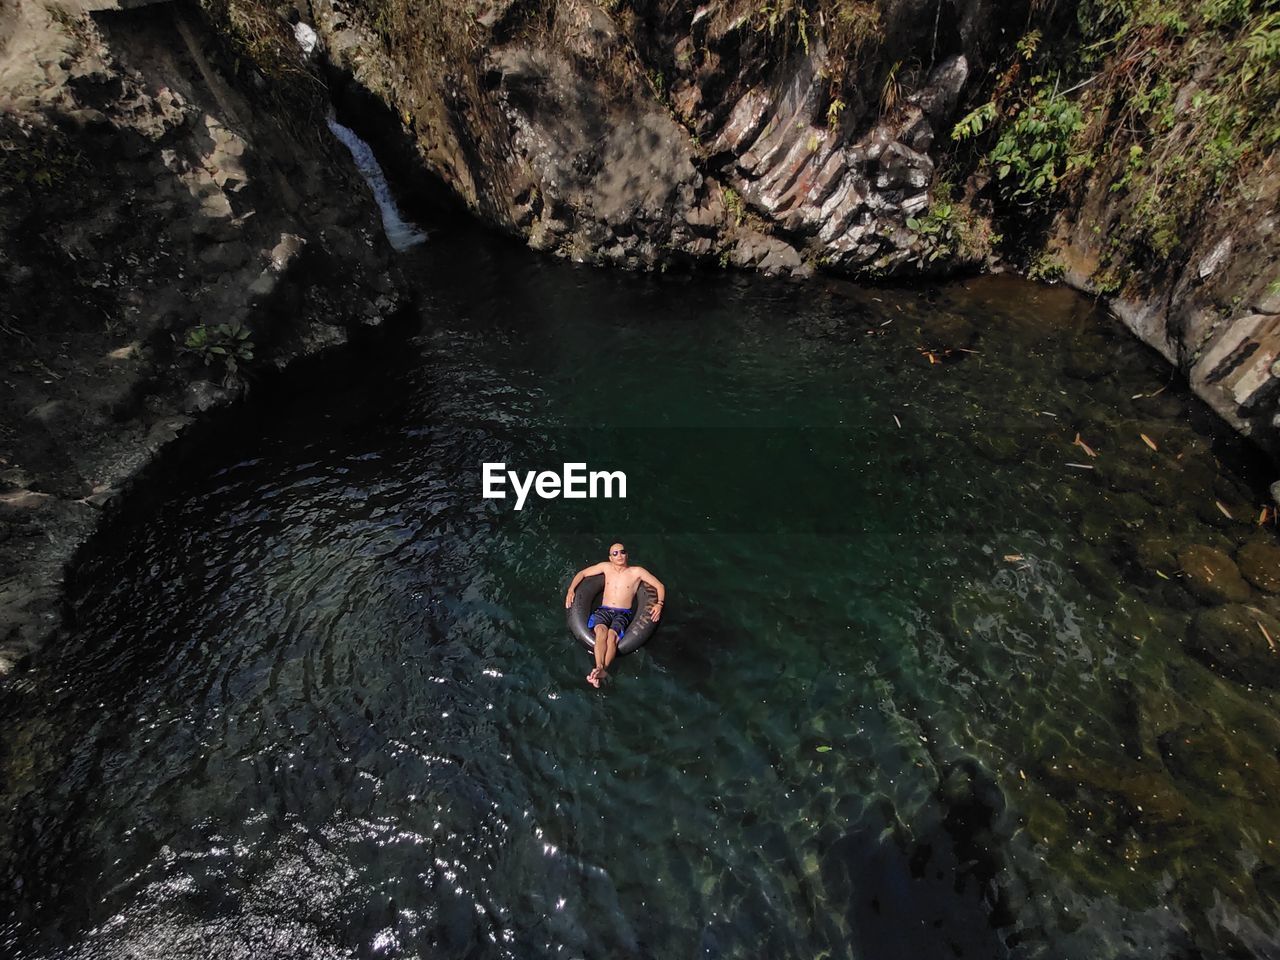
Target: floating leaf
823, 749
1077, 442
1148, 441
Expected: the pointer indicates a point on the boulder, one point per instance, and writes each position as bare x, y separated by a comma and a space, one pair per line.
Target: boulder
1220, 764
1233, 640
1259, 562
1211, 575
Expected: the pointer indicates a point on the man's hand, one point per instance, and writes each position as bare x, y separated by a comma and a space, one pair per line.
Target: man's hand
568, 599
656, 611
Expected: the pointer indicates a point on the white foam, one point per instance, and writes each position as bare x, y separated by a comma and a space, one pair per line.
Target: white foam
401, 234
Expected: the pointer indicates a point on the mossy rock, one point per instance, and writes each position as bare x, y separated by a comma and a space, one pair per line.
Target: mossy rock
1221, 764
1230, 639
1156, 555
1211, 575
1259, 562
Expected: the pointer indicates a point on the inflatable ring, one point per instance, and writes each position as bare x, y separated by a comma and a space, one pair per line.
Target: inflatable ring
587, 598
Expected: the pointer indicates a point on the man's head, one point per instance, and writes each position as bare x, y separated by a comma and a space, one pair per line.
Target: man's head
618, 555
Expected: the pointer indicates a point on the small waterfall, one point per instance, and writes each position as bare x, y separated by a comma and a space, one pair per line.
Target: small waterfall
401, 234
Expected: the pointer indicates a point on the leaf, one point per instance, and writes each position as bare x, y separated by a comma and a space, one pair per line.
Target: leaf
823, 749
1148, 441
913, 224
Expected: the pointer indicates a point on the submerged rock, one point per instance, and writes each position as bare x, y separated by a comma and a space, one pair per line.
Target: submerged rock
1240, 642
1211, 575
1220, 764
1259, 561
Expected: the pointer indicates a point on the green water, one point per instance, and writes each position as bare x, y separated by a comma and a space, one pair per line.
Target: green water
916, 694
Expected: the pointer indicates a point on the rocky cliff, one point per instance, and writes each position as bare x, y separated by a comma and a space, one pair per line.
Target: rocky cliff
167, 232
795, 137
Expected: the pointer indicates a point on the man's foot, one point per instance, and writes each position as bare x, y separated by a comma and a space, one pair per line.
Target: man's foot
593, 677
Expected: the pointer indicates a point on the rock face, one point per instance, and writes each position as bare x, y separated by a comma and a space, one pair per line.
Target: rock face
1214, 312
675, 132
143, 197
685, 136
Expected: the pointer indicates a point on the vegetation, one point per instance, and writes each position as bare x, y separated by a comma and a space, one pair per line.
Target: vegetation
949, 230
1175, 102
227, 344
36, 161
733, 203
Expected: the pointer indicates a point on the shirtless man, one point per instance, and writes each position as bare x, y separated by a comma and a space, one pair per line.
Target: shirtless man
611, 618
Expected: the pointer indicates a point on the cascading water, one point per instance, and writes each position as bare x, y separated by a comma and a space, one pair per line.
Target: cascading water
401, 234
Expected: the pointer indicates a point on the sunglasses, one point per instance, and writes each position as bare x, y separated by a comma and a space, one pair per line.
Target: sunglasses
614, 553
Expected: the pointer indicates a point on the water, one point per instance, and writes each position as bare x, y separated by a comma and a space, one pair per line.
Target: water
400, 233
916, 695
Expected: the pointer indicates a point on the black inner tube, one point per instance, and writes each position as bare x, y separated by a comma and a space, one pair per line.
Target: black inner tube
587, 598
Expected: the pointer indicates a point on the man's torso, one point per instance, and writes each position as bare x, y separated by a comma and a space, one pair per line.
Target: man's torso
620, 587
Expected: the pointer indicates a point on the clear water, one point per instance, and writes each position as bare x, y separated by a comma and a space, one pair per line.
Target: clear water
914, 695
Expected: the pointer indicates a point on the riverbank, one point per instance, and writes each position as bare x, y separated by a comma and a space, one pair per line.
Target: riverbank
170, 236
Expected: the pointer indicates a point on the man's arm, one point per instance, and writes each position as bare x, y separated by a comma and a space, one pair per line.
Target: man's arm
658, 586
583, 573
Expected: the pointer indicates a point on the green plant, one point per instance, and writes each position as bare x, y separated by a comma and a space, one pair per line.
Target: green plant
834, 110
225, 343
733, 203
1046, 268
1132, 168
938, 231
1036, 150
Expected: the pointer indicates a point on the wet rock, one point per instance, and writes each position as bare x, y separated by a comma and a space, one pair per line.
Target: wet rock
1151, 797
1222, 765
1234, 372
768, 254
1211, 575
1259, 562
1156, 555
1086, 365
1233, 640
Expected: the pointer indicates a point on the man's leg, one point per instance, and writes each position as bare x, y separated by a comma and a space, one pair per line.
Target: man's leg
602, 633
610, 650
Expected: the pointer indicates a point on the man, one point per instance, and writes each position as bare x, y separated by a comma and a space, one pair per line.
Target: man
610, 620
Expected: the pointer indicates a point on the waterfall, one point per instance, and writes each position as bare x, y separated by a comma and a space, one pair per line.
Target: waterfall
400, 233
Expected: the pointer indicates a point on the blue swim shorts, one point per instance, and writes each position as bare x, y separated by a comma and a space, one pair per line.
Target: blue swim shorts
616, 619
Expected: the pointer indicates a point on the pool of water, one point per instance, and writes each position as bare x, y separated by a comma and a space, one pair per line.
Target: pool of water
923, 687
